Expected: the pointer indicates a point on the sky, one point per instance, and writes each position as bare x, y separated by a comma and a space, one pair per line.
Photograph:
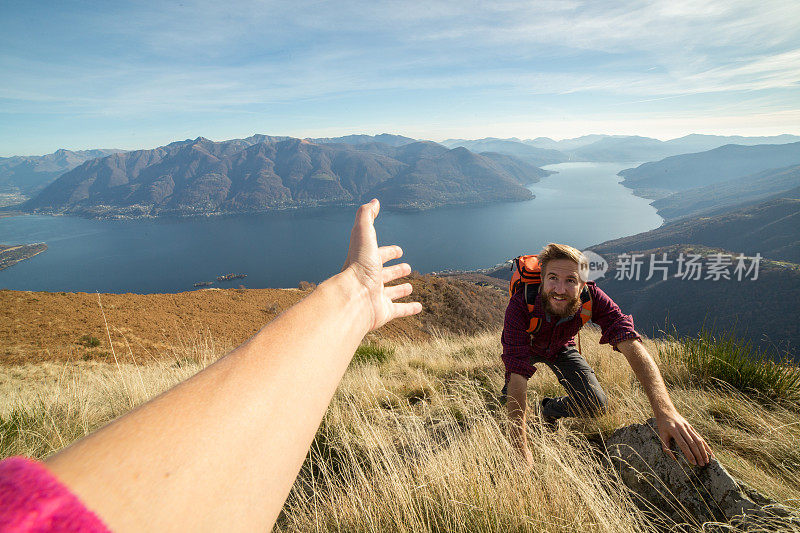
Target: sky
126, 75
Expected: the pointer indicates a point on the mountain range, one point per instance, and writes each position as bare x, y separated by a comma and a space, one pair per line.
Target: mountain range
24, 176
200, 176
725, 195
771, 228
689, 171
530, 154
613, 148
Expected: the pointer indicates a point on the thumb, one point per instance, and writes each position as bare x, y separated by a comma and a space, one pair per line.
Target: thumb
665, 439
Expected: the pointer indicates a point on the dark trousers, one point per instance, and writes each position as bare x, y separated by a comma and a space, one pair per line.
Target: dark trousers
585, 396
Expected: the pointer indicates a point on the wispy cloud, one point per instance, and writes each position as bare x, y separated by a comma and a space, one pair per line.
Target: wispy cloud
203, 56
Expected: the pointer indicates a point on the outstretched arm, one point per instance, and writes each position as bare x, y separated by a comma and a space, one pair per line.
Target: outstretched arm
671, 425
221, 450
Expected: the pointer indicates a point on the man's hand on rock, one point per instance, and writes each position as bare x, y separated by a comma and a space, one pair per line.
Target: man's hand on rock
694, 447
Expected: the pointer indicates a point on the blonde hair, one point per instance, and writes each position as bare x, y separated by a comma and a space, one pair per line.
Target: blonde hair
564, 251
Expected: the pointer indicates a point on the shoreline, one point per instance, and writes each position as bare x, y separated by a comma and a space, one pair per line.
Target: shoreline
10, 255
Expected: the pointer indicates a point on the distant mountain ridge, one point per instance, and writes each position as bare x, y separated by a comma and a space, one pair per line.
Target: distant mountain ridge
772, 183
529, 154
683, 172
771, 228
383, 138
613, 148
261, 172
26, 175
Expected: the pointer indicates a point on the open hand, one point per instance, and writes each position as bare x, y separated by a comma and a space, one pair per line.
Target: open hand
365, 259
693, 446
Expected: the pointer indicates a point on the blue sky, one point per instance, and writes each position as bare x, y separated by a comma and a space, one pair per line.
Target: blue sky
81, 75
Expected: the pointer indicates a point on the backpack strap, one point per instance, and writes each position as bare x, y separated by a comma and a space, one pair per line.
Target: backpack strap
531, 290
586, 305
586, 312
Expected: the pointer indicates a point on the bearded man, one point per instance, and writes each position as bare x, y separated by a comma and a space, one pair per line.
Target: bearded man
557, 307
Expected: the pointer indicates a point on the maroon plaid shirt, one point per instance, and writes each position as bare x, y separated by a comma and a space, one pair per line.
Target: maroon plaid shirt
555, 334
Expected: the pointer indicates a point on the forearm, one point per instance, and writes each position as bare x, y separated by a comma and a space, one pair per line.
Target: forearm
646, 371
516, 403
250, 444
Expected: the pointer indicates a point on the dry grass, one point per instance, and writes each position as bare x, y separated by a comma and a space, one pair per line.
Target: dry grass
415, 439
49, 326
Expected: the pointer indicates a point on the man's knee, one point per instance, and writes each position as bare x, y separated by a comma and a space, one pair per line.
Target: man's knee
593, 402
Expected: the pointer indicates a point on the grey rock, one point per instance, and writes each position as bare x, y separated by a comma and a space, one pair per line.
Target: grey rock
675, 492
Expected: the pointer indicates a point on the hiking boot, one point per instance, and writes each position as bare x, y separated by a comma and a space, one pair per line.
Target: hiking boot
548, 422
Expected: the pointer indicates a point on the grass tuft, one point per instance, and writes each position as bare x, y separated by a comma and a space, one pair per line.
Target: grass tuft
728, 361
370, 353
90, 341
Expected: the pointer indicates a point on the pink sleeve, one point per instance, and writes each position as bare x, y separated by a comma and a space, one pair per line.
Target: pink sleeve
32, 499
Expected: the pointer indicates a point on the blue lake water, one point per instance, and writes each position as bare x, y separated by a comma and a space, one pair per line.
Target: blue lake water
582, 205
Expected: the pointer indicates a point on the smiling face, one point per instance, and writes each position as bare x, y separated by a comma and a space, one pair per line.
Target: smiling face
561, 287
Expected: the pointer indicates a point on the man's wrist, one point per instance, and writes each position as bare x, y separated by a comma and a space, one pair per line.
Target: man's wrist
352, 298
664, 411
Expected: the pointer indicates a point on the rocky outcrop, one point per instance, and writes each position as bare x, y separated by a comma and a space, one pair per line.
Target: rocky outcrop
675, 492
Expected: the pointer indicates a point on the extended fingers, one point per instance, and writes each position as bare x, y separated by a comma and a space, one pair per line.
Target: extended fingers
388, 253
398, 291
394, 272
401, 309
367, 212
406, 309
365, 218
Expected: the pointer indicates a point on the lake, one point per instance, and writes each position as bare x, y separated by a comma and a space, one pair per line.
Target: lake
582, 205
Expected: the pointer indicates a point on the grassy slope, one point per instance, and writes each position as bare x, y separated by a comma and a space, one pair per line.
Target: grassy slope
414, 438
39, 326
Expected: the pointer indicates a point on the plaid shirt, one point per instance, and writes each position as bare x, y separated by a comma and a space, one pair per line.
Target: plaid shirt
519, 345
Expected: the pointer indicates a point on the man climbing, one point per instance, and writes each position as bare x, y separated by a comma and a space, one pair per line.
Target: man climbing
541, 320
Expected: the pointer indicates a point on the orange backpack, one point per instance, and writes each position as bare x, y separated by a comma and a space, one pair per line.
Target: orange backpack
527, 276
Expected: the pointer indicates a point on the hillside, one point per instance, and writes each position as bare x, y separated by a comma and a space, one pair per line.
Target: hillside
21, 177
628, 148
635, 148
260, 173
564, 145
700, 143
36, 326
419, 424
771, 228
773, 183
683, 172
758, 310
